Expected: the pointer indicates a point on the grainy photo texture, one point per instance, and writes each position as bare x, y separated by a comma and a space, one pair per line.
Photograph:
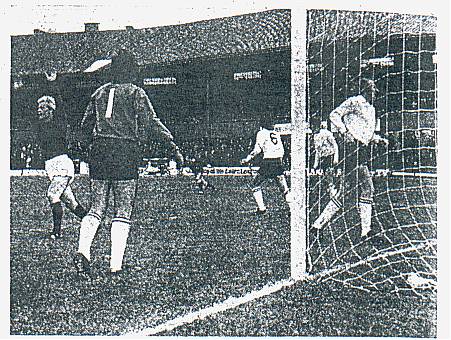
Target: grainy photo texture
214, 178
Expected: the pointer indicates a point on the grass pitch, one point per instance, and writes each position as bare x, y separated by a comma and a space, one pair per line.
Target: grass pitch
185, 252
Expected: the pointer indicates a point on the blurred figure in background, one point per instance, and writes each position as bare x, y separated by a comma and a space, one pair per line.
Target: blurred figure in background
196, 163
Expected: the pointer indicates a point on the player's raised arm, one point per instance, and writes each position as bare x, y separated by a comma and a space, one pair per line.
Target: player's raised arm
336, 116
377, 139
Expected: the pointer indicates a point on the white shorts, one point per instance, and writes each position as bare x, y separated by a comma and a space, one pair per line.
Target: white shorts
60, 165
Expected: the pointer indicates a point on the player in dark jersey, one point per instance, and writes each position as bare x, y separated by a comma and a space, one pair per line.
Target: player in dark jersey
51, 133
118, 119
196, 163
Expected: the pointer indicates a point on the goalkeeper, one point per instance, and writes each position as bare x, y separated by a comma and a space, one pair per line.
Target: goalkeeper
355, 120
119, 117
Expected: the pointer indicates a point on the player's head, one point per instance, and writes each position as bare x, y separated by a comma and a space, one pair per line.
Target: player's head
51, 75
266, 121
368, 88
123, 67
323, 124
46, 108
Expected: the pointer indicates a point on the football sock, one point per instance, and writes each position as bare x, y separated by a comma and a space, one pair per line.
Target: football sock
88, 229
119, 233
258, 196
79, 211
283, 183
326, 215
288, 196
365, 210
199, 184
57, 213
206, 184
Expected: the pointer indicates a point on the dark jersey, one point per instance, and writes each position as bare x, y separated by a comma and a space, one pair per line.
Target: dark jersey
196, 165
122, 112
117, 119
199, 160
51, 137
54, 90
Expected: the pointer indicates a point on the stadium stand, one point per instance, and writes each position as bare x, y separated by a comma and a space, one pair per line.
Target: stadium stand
224, 74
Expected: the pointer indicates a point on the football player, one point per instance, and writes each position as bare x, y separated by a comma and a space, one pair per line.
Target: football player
326, 148
355, 120
269, 143
51, 130
326, 158
118, 119
197, 164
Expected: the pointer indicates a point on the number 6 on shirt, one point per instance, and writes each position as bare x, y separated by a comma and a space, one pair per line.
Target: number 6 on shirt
273, 137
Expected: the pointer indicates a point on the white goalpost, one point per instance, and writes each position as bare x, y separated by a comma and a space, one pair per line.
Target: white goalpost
299, 221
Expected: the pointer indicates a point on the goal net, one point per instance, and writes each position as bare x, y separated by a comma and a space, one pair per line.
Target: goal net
397, 51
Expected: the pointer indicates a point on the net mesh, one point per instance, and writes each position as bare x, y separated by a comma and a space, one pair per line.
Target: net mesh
397, 51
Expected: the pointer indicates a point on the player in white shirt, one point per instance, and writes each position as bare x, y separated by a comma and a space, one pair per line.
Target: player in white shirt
268, 143
355, 120
326, 159
326, 148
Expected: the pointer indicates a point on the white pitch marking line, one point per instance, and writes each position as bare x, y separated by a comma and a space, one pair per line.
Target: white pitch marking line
201, 314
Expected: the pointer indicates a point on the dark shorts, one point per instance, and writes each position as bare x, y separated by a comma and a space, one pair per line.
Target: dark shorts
269, 168
355, 154
326, 163
114, 159
357, 178
329, 169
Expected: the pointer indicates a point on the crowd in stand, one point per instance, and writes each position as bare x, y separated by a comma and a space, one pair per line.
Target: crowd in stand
25, 156
218, 151
229, 152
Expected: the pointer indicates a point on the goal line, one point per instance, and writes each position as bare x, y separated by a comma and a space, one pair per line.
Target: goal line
233, 302
202, 314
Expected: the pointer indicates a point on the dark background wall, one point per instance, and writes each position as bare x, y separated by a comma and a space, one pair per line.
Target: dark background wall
207, 104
